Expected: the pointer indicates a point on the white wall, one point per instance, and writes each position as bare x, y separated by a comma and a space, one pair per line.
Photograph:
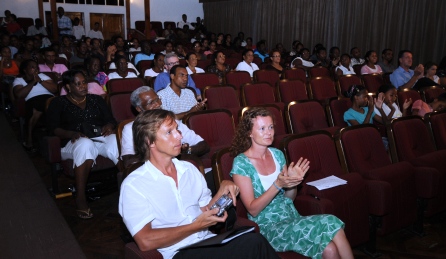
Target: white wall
160, 10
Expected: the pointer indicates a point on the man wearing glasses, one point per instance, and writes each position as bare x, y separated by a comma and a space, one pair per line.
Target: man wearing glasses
163, 79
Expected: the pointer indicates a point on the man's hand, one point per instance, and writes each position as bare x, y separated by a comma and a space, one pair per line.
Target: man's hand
419, 71
208, 218
228, 187
107, 130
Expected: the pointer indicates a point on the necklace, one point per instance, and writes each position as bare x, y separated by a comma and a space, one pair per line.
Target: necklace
71, 97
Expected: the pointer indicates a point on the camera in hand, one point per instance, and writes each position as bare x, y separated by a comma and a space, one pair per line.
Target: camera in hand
222, 204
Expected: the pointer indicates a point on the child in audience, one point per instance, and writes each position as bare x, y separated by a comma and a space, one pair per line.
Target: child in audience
356, 56
362, 110
390, 107
420, 108
345, 68
370, 66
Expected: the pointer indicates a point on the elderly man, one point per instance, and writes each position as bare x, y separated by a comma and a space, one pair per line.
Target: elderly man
404, 77
176, 97
143, 99
165, 202
163, 79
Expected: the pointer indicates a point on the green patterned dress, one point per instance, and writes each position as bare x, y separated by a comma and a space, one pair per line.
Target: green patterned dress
280, 222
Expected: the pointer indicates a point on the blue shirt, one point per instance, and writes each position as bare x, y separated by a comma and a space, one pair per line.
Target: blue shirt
163, 80
262, 57
142, 56
351, 114
400, 76
64, 22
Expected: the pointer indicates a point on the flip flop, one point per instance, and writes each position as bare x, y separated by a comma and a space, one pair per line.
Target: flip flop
84, 214
31, 149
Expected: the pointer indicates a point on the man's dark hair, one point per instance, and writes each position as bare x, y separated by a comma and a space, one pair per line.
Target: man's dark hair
401, 53
173, 70
385, 51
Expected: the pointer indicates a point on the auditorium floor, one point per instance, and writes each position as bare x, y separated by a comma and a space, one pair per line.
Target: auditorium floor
104, 236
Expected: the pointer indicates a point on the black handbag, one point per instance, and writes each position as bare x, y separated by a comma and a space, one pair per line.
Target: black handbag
91, 131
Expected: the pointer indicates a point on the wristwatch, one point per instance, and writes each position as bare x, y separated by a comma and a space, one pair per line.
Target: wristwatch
189, 150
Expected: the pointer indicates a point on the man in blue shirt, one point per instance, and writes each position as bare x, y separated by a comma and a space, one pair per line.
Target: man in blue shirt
63, 22
404, 77
163, 79
146, 53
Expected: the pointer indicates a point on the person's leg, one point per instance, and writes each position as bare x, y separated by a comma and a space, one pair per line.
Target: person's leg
330, 252
31, 124
342, 244
109, 148
251, 245
83, 152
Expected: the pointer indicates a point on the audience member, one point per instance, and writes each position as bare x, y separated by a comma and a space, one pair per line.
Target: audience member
27, 52
191, 60
168, 33
158, 216
261, 50
168, 48
197, 51
146, 53
184, 22
144, 98
56, 47
275, 62
227, 43
96, 49
179, 50
5, 20
78, 29
390, 107
6, 42
241, 35
119, 43
67, 47
362, 110
370, 66
345, 68
72, 117
8, 67
219, 67
249, 44
268, 187
163, 79
420, 108
320, 59
247, 64
294, 50
157, 67
184, 34
63, 22
237, 45
212, 48
81, 53
404, 77
430, 71
334, 56
176, 97
13, 27
95, 33
49, 65
220, 40
387, 58
356, 56
37, 28
36, 88
122, 71
135, 46
303, 60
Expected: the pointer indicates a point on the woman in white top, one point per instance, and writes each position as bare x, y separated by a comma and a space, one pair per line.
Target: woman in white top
247, 64
122, 69
370, 66
136, 46
430, 70
36, 88
345, 68
157, 67
192, 60
303, 60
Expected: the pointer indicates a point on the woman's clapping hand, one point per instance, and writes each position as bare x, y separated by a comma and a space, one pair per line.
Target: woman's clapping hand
294, 174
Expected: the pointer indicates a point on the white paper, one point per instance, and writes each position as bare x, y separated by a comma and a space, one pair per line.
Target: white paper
327, 182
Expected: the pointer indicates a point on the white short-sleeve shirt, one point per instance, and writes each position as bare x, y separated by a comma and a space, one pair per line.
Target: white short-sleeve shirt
250, 68
148, 196
37, 90
115, 75
197, 69
127, 148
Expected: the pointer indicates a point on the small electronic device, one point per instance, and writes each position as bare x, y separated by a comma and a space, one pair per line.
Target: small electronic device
222, 204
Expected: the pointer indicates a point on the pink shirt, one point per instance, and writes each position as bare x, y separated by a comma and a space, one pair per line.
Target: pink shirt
422, 107
93, 88
58, 68
368, 70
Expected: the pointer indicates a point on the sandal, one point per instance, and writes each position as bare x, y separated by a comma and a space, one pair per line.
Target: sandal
84, 214
31, 149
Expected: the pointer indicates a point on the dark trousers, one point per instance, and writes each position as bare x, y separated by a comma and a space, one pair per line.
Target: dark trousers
251, 245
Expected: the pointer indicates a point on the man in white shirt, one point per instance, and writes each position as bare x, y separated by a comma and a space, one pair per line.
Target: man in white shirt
185, 22
143, 99
95, 33
165, 202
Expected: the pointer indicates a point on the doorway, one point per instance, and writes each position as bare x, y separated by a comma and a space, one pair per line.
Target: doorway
110, 24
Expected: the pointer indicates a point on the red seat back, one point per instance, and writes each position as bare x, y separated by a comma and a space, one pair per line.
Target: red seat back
232, 62
204, 79
407, 94
204, 63
222, 97
257, 93
237, 78
319, 71
123, 85
336, 109
437, 124
322, 88
291, 90
431, 93
306, 116
269, 76
143, 65
296, 73
344, 82
372, 82
121, 107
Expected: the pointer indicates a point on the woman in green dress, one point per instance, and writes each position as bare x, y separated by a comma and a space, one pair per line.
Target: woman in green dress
268, 188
